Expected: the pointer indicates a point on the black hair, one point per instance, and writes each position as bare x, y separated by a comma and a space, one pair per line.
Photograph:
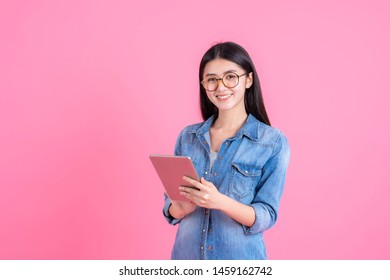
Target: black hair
253, 99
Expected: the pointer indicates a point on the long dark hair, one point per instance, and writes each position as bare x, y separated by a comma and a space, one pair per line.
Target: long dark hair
253, 99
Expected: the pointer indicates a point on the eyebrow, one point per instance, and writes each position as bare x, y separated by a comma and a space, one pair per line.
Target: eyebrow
213, 74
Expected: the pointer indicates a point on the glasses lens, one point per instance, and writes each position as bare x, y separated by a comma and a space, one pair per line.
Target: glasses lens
230, 80
210, 83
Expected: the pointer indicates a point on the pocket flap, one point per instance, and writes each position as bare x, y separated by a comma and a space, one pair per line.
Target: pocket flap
247, 170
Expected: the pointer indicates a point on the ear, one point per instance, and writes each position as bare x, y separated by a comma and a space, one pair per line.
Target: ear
249, 80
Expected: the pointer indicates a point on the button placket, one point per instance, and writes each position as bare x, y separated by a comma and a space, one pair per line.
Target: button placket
204, 232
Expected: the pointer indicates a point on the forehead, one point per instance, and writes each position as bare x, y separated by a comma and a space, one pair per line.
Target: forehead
219, 66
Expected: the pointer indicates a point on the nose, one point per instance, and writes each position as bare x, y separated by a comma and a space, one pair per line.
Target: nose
220, 85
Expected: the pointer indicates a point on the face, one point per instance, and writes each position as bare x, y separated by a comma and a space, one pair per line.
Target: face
225, 97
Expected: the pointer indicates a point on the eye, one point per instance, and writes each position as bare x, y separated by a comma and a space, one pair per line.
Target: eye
211, 80
230, 76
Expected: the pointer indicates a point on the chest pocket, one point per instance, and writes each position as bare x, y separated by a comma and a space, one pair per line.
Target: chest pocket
243, 181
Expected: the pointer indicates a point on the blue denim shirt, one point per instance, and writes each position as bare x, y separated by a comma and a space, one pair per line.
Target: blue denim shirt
250, 168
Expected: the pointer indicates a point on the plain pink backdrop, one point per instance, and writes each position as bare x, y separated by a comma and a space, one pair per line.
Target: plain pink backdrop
89, 88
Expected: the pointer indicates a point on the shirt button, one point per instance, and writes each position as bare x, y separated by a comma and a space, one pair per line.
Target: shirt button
227, 144
246, 171
209, 247
201, 247
204, 230
205, 172
215, 173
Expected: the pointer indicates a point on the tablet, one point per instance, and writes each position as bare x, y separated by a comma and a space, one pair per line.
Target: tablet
171, 170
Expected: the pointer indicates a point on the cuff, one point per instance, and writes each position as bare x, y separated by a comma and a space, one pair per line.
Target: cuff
171, 220
262, 220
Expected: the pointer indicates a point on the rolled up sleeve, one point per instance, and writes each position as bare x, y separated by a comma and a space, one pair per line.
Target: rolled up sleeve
270, 188
171, 220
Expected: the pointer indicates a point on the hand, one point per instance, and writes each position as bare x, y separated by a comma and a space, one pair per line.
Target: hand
205, 195
179, 209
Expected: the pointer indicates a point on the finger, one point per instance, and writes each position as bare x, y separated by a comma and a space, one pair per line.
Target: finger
195, 183
189, 196
194, 199
189, 190
206, 183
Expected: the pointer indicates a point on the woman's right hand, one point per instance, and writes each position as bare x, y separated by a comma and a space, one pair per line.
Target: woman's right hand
179, 209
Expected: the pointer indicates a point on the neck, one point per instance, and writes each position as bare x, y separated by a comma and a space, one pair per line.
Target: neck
230, 120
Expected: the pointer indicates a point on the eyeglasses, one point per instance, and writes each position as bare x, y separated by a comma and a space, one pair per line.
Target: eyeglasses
229, 80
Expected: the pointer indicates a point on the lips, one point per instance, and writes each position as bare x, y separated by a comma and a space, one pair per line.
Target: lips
224, 96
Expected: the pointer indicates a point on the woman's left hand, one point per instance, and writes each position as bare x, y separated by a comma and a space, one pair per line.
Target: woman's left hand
205, 195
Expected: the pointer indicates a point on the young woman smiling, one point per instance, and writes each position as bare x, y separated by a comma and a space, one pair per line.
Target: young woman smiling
242, 161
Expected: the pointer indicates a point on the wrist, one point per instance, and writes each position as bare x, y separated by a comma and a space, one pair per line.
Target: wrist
175, 212
224, 203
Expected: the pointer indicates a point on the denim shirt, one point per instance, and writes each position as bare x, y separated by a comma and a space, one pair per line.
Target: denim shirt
250, 168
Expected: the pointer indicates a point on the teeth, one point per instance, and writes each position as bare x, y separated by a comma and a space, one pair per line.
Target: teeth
224, 96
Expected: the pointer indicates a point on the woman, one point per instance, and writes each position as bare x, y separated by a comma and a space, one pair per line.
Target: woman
242, 161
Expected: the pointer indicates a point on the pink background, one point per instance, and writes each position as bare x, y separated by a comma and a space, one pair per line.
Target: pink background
89, 88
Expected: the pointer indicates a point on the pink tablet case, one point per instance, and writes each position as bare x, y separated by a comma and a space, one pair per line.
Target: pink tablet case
171, 170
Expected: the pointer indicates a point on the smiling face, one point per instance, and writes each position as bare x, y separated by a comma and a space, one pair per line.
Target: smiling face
223, 97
